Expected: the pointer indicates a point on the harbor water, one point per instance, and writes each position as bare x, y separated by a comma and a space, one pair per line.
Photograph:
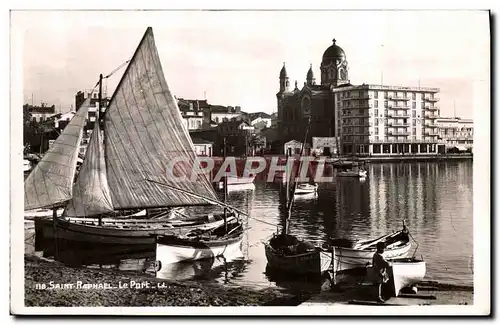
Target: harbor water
433, 198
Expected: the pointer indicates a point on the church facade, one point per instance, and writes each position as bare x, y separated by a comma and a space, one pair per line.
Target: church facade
362, 119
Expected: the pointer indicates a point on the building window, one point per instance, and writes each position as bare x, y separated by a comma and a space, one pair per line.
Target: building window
414, 96
422, 105
414, 113
413, 105
376, 103
414, 130
386, 104
375, 94
376, 130
385, 94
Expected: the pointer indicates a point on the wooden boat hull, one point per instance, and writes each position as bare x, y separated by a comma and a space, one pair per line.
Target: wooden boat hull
349, 258
117, 231
171, 249
315, 262
406, 272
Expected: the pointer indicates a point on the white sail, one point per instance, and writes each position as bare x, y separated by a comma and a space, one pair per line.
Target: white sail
91, 192
51, 181
143, 133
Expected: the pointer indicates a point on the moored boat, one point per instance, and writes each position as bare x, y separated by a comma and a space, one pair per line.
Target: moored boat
289, 254
406, 272
117, 174
238, 181
306, 189
360, 173
352, 255
200, 244
130, 232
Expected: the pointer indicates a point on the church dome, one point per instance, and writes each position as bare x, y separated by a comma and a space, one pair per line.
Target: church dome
334, 52
283, 73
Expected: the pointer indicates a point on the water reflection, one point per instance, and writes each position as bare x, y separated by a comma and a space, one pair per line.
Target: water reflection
435, 199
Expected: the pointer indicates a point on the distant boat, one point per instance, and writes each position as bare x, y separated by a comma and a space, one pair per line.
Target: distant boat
244, 180
352, 255
303, 189
356, 172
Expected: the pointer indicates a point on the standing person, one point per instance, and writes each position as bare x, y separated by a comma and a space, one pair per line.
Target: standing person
380, 266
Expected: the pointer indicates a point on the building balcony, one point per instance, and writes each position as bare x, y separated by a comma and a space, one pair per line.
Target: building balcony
398, 134
356, 116
398, 125
403, 141
429, 108
431, 125
398, 116
431, 99
431, 133
431, 116
392, 97
398, 107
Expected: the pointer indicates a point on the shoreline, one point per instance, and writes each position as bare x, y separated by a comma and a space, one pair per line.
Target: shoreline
108, 288
87, 287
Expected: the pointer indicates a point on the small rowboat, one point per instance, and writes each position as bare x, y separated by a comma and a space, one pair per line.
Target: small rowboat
403, 273
198, 246
406, 272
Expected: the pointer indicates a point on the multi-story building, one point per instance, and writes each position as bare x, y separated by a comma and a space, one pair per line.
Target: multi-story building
456, 132
40, 113
193, 112
377, 119
362, 119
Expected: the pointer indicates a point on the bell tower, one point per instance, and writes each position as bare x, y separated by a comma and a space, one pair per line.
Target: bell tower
284, 81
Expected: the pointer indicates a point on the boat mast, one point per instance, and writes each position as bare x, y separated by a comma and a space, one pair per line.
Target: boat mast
225, 183
292, 195
98, 111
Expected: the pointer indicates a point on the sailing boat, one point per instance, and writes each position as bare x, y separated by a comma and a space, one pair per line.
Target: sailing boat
142, 132
287, 253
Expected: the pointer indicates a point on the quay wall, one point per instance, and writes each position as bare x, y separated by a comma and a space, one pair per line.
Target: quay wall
330, 163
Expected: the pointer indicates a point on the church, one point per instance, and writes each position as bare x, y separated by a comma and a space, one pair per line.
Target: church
315, 101
364, 119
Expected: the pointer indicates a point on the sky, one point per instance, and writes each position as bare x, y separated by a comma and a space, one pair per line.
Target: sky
234, 57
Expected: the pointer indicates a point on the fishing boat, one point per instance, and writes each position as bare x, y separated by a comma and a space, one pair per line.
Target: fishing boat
134, 141
287, 253
351, 255
303, 189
